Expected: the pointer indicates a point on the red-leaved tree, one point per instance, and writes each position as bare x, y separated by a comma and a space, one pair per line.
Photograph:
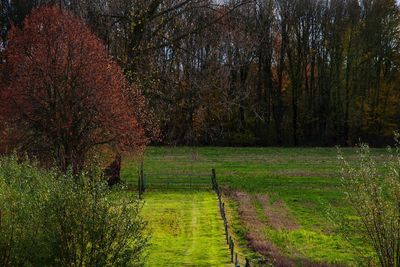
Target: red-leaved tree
63, 95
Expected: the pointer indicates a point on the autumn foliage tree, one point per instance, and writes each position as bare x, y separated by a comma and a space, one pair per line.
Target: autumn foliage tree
63, 95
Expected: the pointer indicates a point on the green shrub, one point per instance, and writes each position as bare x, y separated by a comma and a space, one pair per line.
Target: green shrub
53, 219
372, 188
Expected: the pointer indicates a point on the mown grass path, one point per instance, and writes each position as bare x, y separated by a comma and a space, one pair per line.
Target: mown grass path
187, 229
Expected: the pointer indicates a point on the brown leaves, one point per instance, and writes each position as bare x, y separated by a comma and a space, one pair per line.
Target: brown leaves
65, 93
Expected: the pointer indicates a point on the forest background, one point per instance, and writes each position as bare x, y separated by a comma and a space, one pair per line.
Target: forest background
255, 72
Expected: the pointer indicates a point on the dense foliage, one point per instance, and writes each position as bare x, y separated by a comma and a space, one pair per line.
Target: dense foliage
62, 95
48, 219
251, 72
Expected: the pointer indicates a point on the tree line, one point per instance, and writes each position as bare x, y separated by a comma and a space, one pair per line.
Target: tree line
255, 72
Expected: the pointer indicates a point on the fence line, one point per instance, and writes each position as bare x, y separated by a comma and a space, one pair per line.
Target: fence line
228, 237
181, 174
163, 181
229, 240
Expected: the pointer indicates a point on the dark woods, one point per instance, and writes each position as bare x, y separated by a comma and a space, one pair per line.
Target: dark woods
269, 72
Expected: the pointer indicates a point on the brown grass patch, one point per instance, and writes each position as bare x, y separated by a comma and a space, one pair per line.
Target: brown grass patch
278, 215
254, 231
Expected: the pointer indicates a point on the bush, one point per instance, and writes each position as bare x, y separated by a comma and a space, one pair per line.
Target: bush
53, 219
372, 188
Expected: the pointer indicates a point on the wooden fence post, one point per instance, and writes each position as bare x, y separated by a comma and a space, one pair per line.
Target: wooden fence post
213, 179
232, 246
227, 234
142, 185
139, 185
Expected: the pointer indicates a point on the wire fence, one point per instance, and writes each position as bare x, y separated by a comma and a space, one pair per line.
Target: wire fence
165, 181
228, 236
173, 180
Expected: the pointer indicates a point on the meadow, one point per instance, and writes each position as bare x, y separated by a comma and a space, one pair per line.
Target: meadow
280, 197
186, 229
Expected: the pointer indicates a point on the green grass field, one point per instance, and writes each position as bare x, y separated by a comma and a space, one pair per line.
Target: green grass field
304, 180
186, 229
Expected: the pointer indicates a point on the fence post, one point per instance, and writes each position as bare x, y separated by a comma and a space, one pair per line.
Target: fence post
142, 189
232, 246
139, 185
213, 179
226, 231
